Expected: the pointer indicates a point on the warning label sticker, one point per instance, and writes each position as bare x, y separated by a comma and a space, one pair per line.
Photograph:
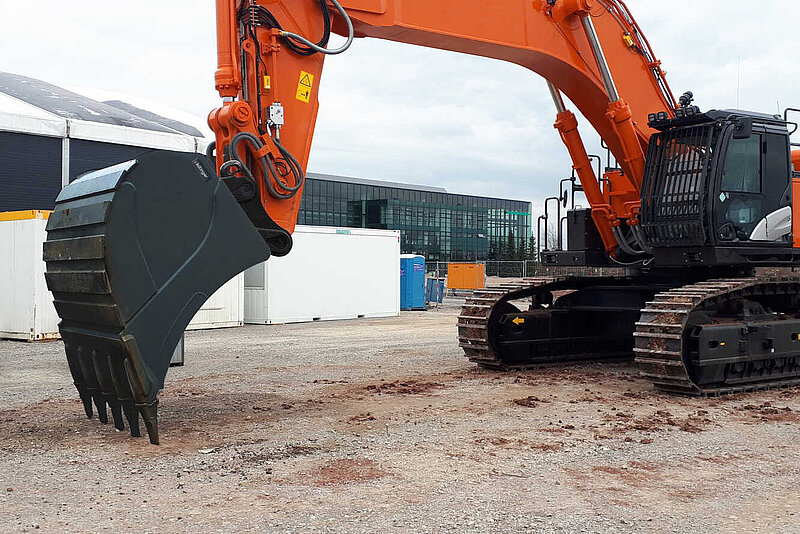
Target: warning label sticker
304, 86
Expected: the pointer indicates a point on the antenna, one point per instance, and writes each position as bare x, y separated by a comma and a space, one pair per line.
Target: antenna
738, 78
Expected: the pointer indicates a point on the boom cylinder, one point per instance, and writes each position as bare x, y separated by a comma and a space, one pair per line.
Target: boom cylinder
567, 126
620, 115
557, 99
600, 57
227, 76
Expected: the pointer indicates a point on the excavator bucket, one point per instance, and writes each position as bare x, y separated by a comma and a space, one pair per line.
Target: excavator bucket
133, 251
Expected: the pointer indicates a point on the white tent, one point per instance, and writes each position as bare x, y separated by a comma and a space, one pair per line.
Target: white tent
34, 107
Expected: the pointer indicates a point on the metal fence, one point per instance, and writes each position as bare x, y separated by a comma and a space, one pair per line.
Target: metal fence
524, 269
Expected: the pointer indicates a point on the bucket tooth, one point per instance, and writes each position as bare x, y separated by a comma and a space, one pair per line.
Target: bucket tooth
86, 399
132, 415
73, 361
116, 412
92, 384
133, 251
78, 380
149, 413
100, 405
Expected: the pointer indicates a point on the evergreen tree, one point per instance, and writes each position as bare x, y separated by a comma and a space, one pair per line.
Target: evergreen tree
521, 250
532, 248
510, 246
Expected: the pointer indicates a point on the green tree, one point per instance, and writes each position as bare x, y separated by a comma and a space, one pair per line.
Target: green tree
522, 251
510, 246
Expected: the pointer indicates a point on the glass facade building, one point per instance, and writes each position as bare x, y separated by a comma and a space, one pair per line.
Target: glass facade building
434, 223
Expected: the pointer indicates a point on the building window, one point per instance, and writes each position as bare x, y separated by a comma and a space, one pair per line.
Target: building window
441, 226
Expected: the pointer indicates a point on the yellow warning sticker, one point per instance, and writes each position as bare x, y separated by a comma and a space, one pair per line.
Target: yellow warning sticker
304, 86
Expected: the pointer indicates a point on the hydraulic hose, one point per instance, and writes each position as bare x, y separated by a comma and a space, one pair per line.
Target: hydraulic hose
638, 235
327, 51
271, 175
623, 243
257, 15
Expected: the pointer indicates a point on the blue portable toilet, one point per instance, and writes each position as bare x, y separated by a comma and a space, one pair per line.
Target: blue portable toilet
412, 282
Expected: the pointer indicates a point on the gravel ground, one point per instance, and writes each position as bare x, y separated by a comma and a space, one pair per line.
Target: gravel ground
382, 425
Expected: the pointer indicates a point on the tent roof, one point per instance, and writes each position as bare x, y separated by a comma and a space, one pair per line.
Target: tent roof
66, 104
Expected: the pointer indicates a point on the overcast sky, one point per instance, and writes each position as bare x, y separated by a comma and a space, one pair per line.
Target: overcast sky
404, 113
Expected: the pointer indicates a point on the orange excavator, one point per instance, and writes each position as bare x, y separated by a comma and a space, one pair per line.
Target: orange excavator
695, 203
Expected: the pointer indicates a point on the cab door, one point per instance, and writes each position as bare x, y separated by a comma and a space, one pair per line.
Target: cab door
753, 198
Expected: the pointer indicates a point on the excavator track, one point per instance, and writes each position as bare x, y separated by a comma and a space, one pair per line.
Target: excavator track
761, 350
570, 319
473, 323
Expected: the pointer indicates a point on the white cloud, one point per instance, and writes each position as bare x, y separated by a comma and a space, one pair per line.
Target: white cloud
407, 113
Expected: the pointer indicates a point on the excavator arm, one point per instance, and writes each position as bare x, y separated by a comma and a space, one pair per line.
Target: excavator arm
591, 50
134, 250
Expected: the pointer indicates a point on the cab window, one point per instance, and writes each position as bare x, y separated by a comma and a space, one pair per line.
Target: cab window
742, 171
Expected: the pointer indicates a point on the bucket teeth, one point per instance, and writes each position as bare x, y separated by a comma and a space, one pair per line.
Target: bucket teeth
124, 394
103, 373
133, 251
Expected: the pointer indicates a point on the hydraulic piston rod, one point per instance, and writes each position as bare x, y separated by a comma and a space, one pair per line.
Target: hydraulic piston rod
600, 57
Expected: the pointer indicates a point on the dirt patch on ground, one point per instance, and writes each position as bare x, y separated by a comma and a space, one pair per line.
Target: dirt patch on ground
659, 421
530, 401
516, 444
790, 393
204, 418
361, 418
768, 412
406, 387
280, 453
723, 459
633, 475
346, 471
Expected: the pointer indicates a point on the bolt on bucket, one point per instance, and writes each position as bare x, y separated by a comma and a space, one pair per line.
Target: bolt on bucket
133, 251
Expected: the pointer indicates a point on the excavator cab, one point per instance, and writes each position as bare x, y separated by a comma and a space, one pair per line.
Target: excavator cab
717, 189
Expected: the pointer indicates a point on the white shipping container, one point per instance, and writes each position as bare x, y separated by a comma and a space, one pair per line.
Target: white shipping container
225, 308
329, 274
26, 306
